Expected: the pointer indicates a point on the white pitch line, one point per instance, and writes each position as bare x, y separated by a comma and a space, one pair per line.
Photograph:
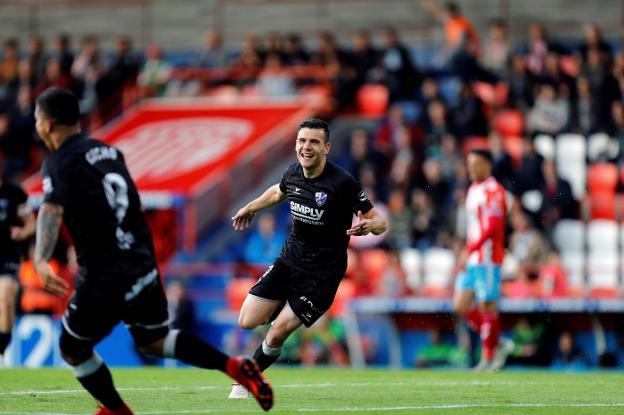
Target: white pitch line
362, 409
289, 386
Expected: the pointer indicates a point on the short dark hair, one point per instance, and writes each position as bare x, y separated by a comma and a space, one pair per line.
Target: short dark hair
483, 152
316, 124
60, 105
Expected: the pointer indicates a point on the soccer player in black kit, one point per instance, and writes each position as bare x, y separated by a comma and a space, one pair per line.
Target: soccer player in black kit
87, 185
300, 286
17, 222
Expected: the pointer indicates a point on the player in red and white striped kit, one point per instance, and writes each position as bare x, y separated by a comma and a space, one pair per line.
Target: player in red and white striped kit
486, 208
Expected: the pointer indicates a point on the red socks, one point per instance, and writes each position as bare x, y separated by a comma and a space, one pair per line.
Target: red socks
490, 332
473, 317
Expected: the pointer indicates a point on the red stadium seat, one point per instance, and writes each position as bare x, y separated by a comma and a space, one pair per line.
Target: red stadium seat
492, 95
602, 205
602, 178
374, 262
509, 123
372, 100
236, 292
470, 143
346, 291
603, 292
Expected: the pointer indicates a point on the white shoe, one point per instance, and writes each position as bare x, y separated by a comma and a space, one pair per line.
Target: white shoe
238, 392
484, 365
504, 349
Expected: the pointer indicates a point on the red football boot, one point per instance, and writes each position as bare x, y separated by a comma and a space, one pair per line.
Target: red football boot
246, 372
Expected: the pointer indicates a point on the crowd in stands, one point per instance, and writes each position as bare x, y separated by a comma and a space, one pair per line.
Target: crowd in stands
477, 90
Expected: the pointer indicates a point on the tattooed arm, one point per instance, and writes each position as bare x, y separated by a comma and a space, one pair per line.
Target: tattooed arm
48, 226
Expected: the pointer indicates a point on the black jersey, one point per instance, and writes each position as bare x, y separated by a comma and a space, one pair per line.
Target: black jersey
102, 209
11, 198
322, 210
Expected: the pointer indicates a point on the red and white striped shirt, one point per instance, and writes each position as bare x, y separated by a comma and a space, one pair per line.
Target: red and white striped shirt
486, 207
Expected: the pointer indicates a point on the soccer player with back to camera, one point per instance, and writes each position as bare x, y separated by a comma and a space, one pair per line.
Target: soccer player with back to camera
87, 185
486, 209
301, 284
17, 222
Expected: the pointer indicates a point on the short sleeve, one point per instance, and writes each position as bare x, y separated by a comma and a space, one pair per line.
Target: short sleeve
55, 179
356, 196
283, 183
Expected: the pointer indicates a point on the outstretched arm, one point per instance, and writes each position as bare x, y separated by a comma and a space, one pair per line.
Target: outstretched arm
433, 9
272, 196
371, 222
48, 226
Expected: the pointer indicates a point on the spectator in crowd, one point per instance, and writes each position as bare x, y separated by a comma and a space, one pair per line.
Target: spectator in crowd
403, 166
558, 200
551, 112
388, 133
87, 61
212, 54
328, 50
425, 227
439, 352
62, 52
527, 245
400, 221
54, 77
593, 40
502, 164
37, 58
392, 281
469, 118
435, 185
568, 354
364, 58
273, 44
462, 41
265, 243
122, 72
617, 127
583, 118
553, 278
249, 63
520, 83
555, 76
155, 74
438, 124
9, 67
399, 73
530, 343
603, 86
496, 51
294, 52
17, 135
360, 152
450, 156
275, 80
536, 49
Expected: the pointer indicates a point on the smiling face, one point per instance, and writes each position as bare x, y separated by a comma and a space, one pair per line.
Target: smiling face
312, 149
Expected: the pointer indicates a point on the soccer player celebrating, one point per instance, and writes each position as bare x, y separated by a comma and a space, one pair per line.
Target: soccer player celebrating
486, 208
17, 222
301, 284
86, 184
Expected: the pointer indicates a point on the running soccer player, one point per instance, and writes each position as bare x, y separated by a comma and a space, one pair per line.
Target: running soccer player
486, 208
86, 184
301, 284
17, 222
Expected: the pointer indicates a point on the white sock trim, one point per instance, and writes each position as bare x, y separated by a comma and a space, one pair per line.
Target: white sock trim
89, 366
270, 351
170, 343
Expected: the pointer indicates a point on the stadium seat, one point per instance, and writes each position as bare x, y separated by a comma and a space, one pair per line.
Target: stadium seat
602, 205
492, 95
602, 178
374, 262
509, 123
574, 264
345, 292
602, 270
545, 146
599, 147
438, 268
569, 236
236, 292
372, 100
569, 65
411, 261
472, 142
602, 236
570, 152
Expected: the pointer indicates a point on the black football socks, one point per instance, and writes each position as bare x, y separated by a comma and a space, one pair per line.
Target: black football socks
189, 348
95, 377
265, 356
5, 339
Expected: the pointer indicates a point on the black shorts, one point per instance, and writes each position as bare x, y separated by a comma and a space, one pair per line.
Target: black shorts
95, 309
10, 269
309, 296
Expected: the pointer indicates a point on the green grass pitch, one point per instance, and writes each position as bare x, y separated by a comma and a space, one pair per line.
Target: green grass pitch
324, 391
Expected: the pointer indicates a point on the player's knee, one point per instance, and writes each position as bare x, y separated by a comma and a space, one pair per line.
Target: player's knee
247, 322
74, 351
153, 349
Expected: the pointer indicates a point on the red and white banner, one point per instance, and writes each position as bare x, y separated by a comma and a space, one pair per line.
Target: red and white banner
174, 148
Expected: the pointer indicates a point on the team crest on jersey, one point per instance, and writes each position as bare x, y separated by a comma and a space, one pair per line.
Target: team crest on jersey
321, 198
